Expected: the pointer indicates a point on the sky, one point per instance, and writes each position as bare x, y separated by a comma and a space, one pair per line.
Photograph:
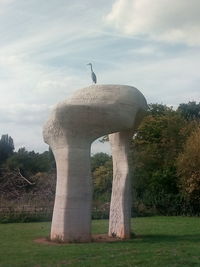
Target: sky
45, 46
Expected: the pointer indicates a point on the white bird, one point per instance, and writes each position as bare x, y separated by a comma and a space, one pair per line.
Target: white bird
93, 75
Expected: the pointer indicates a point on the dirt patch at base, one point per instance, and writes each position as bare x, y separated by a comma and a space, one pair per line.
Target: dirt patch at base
100, 238
105, 238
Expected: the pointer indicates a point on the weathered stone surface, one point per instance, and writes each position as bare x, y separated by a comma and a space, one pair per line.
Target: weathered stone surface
73, 125
120, 206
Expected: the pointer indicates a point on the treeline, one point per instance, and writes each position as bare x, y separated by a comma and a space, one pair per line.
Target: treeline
165, 159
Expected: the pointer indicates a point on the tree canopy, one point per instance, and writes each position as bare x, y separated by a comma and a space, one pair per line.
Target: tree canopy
6, 147
190, 111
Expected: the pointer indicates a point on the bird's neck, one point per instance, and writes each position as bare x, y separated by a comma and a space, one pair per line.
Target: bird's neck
91, 68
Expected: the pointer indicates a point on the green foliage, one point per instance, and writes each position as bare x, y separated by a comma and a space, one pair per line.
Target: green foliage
159, 140
6, 147
190, 111
12, 215
99, 159
158, 109
102, 177
101, 165
29, 162
188, 164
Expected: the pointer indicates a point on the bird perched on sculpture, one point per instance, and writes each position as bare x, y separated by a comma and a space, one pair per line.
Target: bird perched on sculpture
93, 75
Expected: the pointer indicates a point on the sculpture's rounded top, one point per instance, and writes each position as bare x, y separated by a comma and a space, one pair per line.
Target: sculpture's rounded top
95, 111
106, 94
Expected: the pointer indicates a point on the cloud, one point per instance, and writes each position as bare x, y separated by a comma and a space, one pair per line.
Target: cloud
41, 62
23, 113
44, 48
166, 20
171, 78
29, 136
98, 146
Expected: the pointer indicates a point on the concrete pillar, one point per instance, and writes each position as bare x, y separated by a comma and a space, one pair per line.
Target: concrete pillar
72, 209
120, 206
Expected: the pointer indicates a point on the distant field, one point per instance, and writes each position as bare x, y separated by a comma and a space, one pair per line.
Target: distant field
158, 241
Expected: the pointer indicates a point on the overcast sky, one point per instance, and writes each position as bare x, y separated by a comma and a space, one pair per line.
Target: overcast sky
45, 46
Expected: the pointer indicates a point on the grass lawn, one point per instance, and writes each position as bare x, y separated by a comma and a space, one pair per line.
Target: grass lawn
159, 241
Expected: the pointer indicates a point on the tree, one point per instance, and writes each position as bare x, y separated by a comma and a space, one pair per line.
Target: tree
6, 147
188, 164
190, 111
102, 179
159, 110
156, 146
30, 162
99, 159
101, 166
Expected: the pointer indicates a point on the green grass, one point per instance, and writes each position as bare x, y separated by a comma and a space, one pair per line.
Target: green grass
159, 241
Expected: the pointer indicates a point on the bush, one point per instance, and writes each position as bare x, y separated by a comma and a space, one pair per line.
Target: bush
25, 214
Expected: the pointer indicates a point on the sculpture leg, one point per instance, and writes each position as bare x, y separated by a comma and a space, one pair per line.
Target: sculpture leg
120, 208
72, 209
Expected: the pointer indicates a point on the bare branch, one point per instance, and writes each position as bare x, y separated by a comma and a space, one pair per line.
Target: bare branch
25, 179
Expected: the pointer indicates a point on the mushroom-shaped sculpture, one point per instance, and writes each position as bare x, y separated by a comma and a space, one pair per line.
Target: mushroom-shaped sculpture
72, 127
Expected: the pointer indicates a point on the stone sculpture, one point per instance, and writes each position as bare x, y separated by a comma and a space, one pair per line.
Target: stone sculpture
72, 127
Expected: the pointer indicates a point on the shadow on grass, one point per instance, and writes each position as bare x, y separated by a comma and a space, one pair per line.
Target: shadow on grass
165, 238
